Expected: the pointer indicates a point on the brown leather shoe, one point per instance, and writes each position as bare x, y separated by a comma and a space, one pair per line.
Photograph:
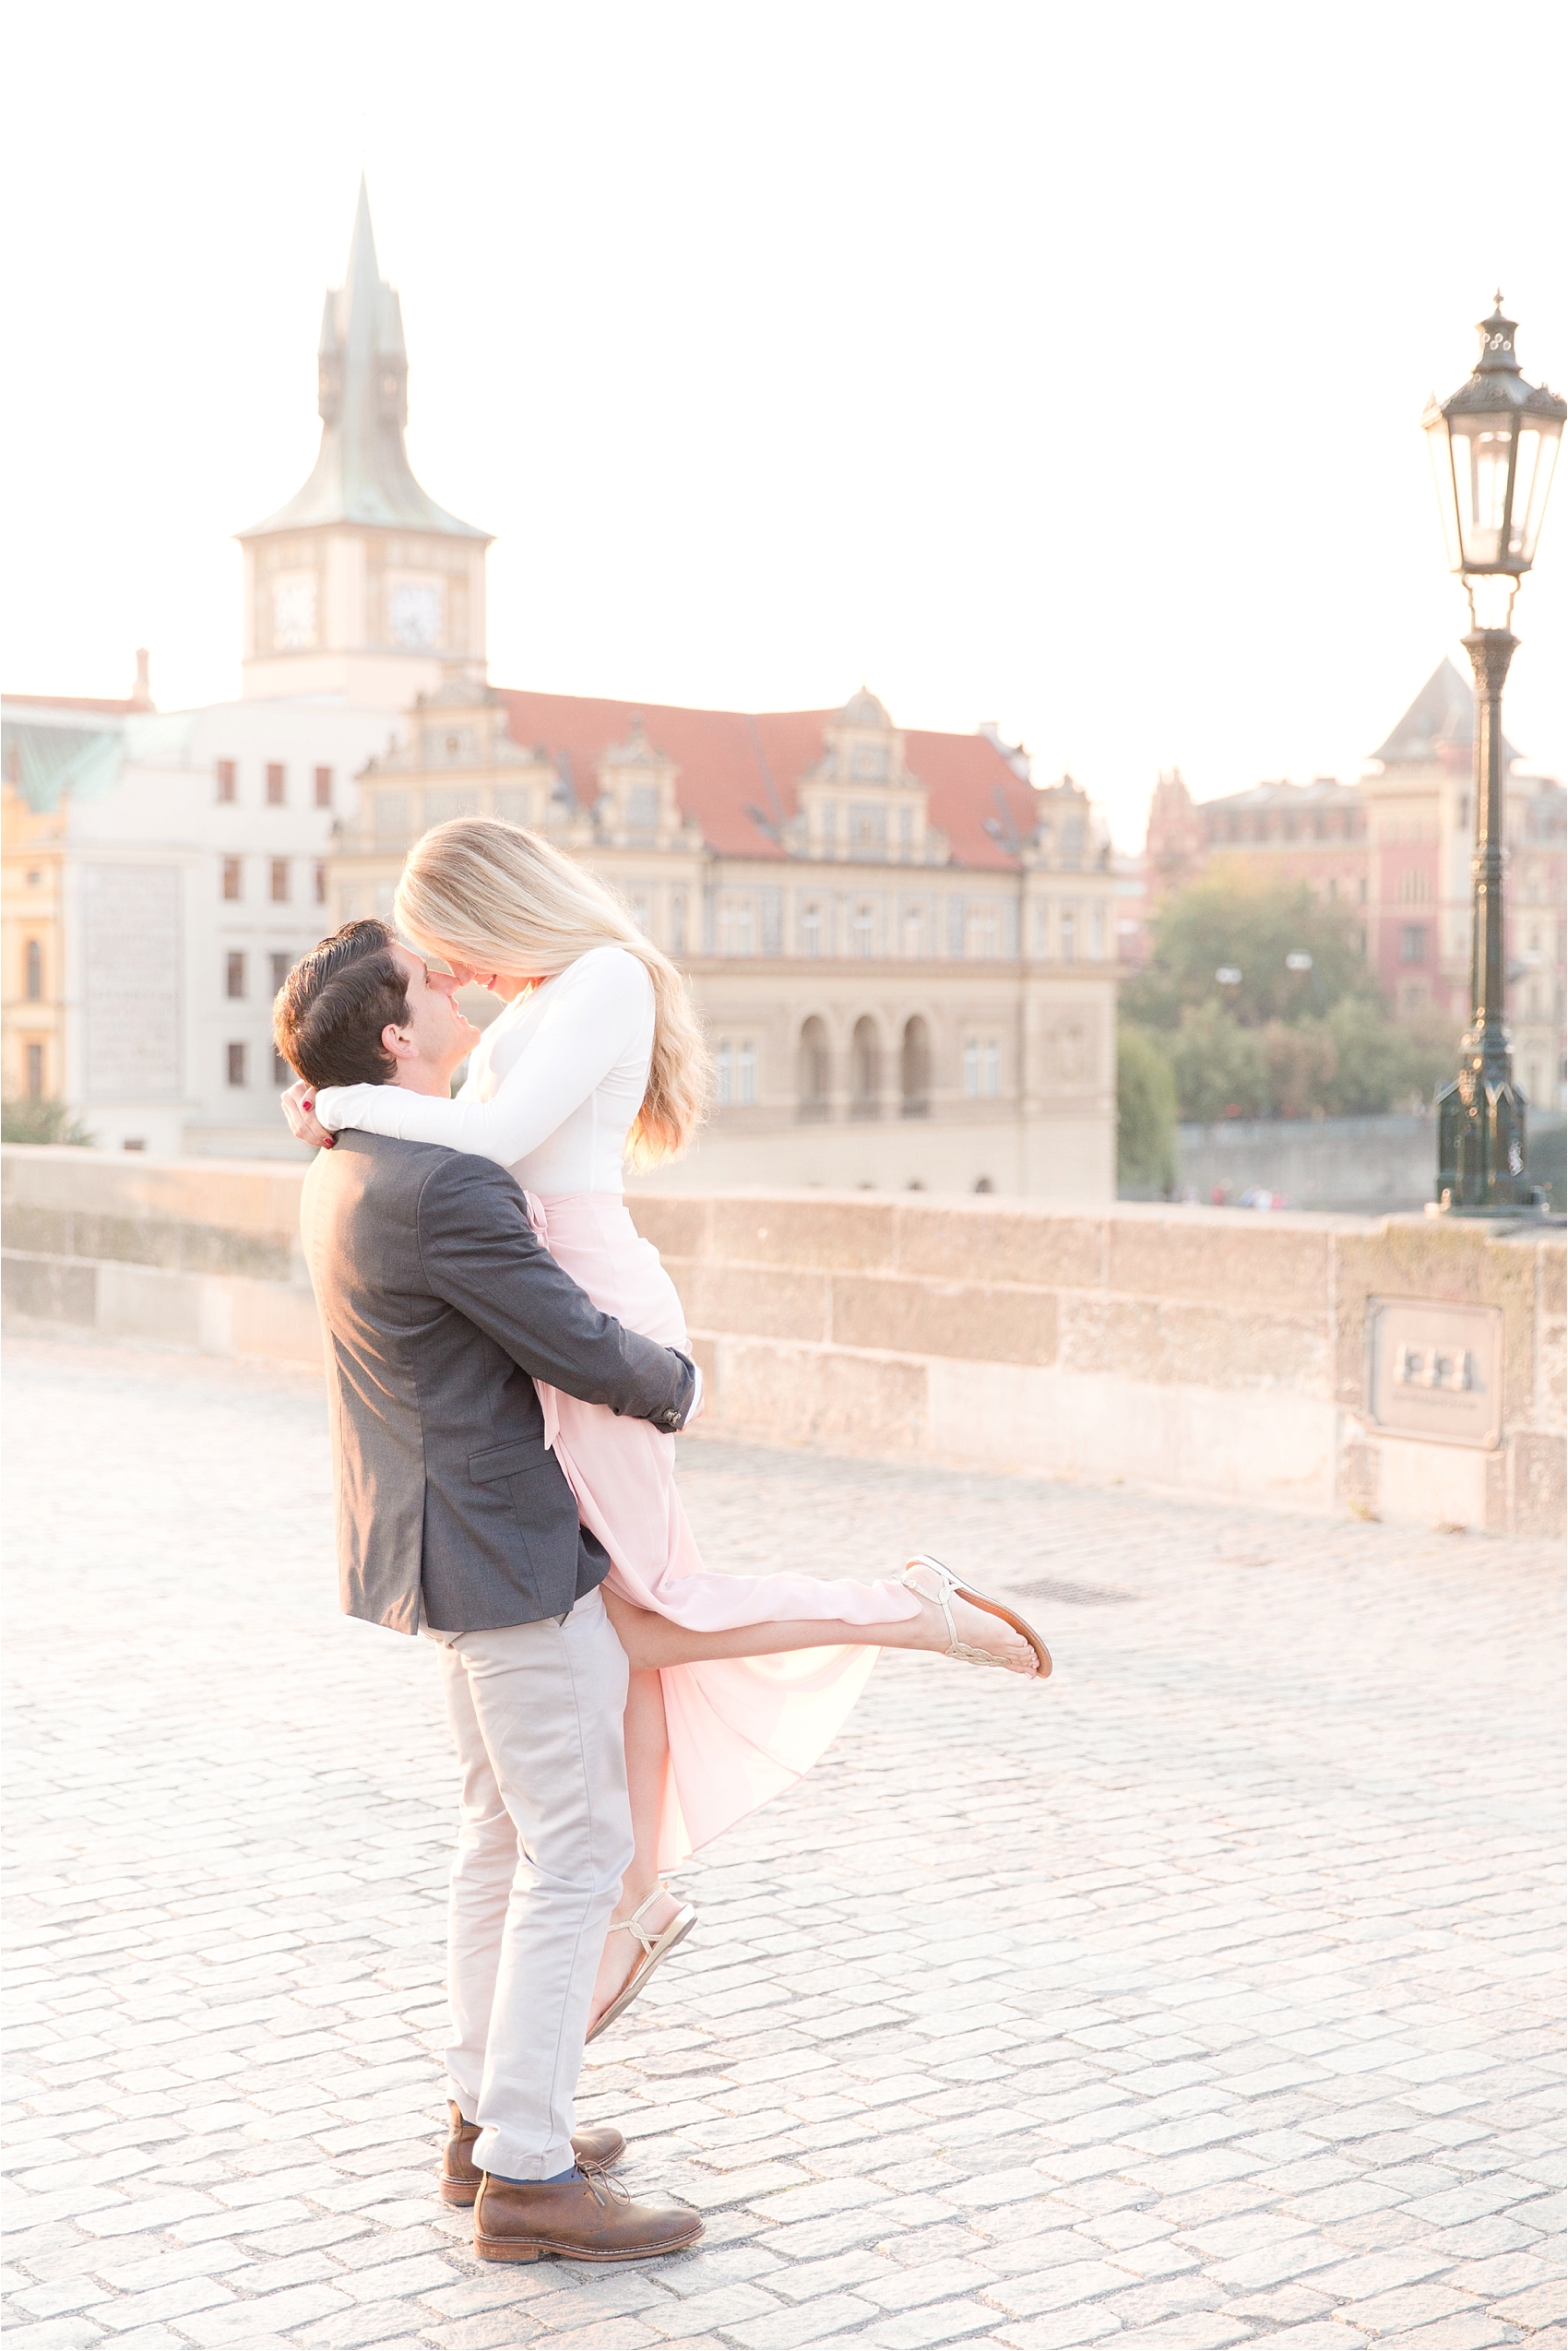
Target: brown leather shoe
461, 2176
588, 2218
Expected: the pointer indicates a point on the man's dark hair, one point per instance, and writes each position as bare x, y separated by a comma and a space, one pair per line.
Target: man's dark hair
330, 1012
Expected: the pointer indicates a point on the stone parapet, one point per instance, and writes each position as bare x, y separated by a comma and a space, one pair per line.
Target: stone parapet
1402, 1368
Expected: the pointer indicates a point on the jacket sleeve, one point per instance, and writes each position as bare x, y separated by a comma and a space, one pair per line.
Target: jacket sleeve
481, 1255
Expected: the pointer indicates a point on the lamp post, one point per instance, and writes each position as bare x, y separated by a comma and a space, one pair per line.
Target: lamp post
1493, 445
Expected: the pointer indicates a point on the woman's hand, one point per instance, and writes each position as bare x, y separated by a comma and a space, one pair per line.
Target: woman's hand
299, 1108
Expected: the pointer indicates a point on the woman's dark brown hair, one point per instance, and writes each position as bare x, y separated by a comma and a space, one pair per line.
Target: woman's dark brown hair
329, 1014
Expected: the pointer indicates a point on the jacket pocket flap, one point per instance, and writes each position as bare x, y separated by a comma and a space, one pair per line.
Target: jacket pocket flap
508, 1461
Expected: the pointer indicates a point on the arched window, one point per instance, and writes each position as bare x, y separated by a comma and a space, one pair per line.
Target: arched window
34, 975
815, 1070
915, 1069
865, 1070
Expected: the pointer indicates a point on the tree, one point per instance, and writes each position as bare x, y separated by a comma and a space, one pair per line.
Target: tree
1235, 920
1220, 1068
28, 1119
1146, 1114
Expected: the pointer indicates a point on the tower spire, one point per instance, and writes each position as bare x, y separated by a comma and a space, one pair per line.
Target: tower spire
362, 472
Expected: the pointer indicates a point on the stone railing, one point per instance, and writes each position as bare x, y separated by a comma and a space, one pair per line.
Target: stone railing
1406, 1368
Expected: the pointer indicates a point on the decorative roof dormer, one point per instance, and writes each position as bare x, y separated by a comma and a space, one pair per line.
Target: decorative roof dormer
859, 801
1066, 838
638, 807
362, 588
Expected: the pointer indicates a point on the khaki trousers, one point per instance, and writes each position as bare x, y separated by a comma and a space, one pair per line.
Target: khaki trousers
545, 1834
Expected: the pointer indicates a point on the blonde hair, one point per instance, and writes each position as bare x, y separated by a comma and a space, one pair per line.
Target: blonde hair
503, 899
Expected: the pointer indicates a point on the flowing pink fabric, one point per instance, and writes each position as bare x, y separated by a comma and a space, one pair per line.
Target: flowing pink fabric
740, 1728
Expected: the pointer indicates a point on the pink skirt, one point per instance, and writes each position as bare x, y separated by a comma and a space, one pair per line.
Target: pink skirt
740, 1728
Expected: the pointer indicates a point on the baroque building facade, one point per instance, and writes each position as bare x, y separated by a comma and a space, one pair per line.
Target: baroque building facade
901, 950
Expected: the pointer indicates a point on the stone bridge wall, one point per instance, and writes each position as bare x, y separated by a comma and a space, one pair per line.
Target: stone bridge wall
1401, 1367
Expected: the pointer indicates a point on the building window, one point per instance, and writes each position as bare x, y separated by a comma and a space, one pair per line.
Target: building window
984, 935
35, 1072
1097, 935
865, 1070
281, 966
868, 825
678, 924
280, 881
914, 1068
236, 1065
274, 785
234, 972
642, 912
811, 930
281, 1073
862, 931
228, 783
982, 1068
735, 927
33, 972
230, 878
815, 1070
830, 828
905, 827
737, 1071
324, 788
1412, 942
914, 932
320, 884
1069, 934
1414, 888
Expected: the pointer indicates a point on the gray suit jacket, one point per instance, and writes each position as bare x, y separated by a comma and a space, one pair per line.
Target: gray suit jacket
439, 1305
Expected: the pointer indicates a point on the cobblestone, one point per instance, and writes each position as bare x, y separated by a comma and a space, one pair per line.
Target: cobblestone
1208, 1994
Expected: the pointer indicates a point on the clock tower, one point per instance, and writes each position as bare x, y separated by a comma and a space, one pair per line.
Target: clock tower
361, 590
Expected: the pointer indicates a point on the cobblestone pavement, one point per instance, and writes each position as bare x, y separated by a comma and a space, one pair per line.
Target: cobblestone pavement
1210, 1993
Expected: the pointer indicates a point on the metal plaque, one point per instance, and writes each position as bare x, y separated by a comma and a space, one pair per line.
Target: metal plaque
1435, 1371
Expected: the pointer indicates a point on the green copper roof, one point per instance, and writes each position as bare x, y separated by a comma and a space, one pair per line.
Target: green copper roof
362, 473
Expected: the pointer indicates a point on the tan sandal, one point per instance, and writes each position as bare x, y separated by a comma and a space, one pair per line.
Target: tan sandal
950, 1586
655, 1948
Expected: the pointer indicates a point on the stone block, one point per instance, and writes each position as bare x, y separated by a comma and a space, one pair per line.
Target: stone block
49, 1289
1281, 1262
1356, 1491
799, 1395
1446, 1261
42, 1231
1551, 1373
754, 1301
146, 1302
828, 1232
265, 1319
675, 1223
1551, 1257
986, 1243
1422, 1485
129, 1240
1177, 1342
1541, 1484
962, 1319
1243, 1444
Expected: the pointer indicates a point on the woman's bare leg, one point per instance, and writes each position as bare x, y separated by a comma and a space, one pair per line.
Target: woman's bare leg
651, 1640
647, 1767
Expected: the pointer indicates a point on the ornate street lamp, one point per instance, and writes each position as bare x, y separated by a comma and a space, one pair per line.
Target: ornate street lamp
1493, 445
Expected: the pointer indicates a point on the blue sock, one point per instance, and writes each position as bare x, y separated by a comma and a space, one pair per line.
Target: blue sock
559, 2181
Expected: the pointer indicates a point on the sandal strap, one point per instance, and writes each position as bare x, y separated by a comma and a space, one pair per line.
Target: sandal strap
633, 1926
946, 1584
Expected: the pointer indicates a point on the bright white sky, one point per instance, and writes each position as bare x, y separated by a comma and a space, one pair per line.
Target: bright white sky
1059, 365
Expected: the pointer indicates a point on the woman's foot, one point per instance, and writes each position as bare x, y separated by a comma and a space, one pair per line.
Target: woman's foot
623, 1953
960, 1620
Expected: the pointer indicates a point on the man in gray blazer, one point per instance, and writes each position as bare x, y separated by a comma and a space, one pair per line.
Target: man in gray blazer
439, 1306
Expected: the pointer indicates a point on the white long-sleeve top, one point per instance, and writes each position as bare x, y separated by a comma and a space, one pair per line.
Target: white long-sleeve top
553, 1084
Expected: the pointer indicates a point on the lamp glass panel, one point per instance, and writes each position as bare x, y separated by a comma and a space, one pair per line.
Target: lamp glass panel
1482, 449
1442, 481
1539, 444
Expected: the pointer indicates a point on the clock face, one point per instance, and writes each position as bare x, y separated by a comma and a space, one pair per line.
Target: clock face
414, 611
294, 613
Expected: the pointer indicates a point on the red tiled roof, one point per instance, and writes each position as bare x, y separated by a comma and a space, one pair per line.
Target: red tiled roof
730, 762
